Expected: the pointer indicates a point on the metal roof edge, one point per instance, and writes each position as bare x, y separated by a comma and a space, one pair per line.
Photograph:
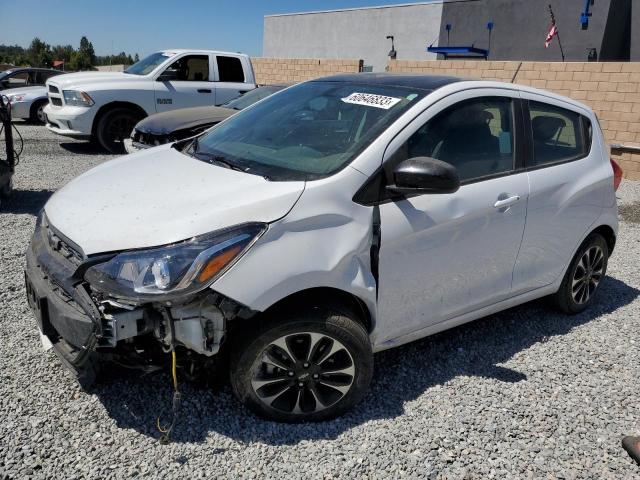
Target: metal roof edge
375, 7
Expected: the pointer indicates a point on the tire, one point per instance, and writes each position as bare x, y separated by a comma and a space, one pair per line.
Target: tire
114, 126
338, 350
37, 115
584, 276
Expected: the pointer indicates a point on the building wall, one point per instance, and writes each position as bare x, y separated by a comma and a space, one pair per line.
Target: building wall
357, 33
290, 70
635, 31
611, 89
520, 28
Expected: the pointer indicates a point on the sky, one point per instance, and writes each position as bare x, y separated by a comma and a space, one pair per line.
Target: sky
145, 26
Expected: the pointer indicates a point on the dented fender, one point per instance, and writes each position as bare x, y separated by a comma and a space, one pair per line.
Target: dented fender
310, 248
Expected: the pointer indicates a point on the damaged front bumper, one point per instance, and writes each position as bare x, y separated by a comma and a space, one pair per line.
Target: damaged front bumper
86, 327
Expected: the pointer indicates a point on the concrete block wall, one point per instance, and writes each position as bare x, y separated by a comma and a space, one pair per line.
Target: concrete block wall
612, 89
288, 70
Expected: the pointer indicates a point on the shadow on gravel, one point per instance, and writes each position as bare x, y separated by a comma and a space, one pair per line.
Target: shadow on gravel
84, 148
475, 349
26, 201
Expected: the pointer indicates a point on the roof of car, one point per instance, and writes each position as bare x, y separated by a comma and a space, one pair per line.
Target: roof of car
423, 82
19, 69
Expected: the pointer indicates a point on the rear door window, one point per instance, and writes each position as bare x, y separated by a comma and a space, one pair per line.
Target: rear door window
559, 135
230, 69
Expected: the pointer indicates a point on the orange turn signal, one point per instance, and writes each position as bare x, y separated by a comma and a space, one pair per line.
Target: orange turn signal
216, 264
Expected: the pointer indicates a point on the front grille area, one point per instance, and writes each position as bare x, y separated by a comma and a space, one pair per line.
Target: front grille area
70, 253
53, 89
55, 101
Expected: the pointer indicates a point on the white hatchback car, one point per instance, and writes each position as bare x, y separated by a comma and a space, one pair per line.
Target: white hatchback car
337, 218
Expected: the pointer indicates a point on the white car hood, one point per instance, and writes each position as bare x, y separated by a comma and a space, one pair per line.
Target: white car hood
160, 196
81, 79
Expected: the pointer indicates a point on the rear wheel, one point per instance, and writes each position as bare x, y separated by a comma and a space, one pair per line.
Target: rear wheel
37, 114
307, 366
115, 126
584, 275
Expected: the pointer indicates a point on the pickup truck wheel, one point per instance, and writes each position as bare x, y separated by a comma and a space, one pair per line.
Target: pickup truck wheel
584, 275
305, 366
37, 112
115, 126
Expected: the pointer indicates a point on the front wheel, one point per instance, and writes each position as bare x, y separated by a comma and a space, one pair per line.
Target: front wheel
584, 275
114, 127
309, 366
37, 114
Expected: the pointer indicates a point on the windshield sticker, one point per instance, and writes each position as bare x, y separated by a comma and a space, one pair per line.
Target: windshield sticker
371, 100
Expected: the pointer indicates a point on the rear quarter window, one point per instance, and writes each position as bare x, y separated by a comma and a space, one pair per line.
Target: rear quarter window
558, 134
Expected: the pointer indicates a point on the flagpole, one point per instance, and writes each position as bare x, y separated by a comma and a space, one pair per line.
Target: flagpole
553, 20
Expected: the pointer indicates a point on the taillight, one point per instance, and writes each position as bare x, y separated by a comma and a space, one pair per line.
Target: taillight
617, 174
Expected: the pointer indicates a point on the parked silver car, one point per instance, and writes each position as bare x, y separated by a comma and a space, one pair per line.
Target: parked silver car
28, 103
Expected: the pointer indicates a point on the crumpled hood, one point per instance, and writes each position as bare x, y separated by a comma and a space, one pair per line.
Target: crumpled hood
160, 196
167, 122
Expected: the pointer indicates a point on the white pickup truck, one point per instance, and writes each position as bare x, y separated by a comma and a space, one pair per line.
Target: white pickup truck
106, 105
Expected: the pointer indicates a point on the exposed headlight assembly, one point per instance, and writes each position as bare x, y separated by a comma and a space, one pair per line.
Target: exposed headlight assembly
176, 270
76, 98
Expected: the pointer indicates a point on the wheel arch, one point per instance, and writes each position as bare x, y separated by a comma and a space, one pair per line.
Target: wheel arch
104, 109
34, 106
609, 235
326, 297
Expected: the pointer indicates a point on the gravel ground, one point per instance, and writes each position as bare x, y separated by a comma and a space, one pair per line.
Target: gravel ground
527, 393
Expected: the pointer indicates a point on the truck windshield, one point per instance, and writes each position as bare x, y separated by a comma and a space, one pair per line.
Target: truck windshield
147, 64
307, 132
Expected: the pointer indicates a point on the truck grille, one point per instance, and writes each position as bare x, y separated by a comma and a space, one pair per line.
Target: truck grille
53, 89
55, 101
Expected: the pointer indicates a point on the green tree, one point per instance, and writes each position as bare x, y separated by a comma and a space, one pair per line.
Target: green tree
86, 49
39, 53
80, 61
136, 58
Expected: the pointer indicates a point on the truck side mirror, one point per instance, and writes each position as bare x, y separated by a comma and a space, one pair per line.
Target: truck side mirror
168, 75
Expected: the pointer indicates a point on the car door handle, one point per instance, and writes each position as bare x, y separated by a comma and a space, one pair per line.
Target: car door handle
507, 202
204, 90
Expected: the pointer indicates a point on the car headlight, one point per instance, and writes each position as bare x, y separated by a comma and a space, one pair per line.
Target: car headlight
16, 97
77, 98
179, 269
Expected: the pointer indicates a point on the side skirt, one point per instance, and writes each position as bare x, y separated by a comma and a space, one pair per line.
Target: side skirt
468, 317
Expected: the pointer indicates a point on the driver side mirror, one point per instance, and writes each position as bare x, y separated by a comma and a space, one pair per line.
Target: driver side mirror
168, 75
420, 175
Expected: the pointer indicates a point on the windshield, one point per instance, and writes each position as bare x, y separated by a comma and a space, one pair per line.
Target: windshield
306, 132
147, 64
252, 97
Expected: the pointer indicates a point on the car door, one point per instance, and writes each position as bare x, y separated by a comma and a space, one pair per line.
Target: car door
568, 181
445, 255
231, 81
186, 82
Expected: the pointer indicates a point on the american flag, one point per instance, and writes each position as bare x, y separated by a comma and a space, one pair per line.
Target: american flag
553, 31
